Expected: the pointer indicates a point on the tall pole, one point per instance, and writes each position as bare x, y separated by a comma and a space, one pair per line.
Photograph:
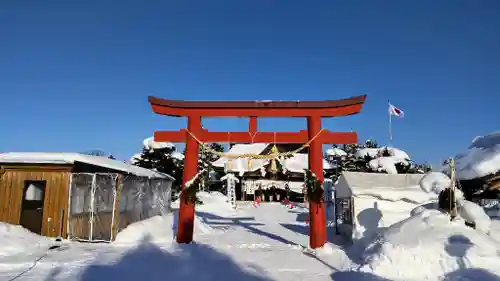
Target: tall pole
390, 122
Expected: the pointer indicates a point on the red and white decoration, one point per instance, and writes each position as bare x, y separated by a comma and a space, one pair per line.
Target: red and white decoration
395, 111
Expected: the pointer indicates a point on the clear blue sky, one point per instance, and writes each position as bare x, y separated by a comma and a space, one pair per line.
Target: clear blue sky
76, 76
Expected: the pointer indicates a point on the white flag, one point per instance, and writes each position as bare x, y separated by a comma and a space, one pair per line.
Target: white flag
395, 111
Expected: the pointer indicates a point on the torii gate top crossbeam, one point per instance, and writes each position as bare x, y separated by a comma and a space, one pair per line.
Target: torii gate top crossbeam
329, 108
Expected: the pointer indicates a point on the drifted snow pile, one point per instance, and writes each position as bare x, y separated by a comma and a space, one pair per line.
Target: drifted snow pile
15, 239
435, 182
482, 158
163, 228
384, 163
428, 246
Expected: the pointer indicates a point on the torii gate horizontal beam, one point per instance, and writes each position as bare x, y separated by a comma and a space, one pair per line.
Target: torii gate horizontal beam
325, 137
329, 108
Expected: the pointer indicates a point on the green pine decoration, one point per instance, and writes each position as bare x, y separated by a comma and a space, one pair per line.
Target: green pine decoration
314, 187
191, 188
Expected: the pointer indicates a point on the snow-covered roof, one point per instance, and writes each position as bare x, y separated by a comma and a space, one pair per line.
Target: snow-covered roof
386, 186
297, 163
481, 159
241, 164
72, 158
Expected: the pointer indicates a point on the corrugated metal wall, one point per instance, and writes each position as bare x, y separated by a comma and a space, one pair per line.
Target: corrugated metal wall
12, 183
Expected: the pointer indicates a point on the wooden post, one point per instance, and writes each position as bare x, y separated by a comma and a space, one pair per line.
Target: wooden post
317, 226
185, 224
116, 203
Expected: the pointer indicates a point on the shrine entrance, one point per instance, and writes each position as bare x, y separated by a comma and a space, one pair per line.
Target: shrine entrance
314, 138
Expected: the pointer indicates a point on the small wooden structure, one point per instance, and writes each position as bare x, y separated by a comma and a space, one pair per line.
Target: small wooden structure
41, 192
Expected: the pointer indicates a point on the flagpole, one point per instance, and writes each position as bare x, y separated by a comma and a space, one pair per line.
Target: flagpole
390, 122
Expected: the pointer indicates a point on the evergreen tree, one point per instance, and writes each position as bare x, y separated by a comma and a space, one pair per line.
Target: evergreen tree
161, 160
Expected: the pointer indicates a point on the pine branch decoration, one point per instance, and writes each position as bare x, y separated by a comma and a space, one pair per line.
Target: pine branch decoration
314, 187
191, 188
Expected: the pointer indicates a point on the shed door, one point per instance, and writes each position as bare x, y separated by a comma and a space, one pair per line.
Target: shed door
32, 205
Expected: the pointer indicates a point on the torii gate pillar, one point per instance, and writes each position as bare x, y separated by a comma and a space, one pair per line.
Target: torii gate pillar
317, 214
312, 110
185, 225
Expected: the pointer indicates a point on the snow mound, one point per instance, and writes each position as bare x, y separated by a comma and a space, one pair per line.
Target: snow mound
214, 203
435, 182
481, 159
472, 212
427, 246
151, 144
18, 240
160, 229
163, 228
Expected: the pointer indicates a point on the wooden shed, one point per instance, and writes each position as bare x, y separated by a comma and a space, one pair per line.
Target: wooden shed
35, 187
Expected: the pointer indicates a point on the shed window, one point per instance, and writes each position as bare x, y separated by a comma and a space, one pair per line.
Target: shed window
34, 190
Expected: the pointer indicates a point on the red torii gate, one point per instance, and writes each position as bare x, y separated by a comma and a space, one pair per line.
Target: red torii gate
312, 110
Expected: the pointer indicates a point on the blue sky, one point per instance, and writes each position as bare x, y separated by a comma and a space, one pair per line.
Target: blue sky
76, 75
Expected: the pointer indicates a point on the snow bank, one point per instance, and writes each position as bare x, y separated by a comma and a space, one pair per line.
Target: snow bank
15, 239
214, 203
427, 246
159, 229
481, 159
163, 228
151, 144
435, 182
472, 212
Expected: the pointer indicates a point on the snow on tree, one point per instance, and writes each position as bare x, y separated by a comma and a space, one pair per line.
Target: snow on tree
369, 157
161, 157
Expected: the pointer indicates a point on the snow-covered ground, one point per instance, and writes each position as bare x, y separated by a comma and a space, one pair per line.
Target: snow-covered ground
264, 243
